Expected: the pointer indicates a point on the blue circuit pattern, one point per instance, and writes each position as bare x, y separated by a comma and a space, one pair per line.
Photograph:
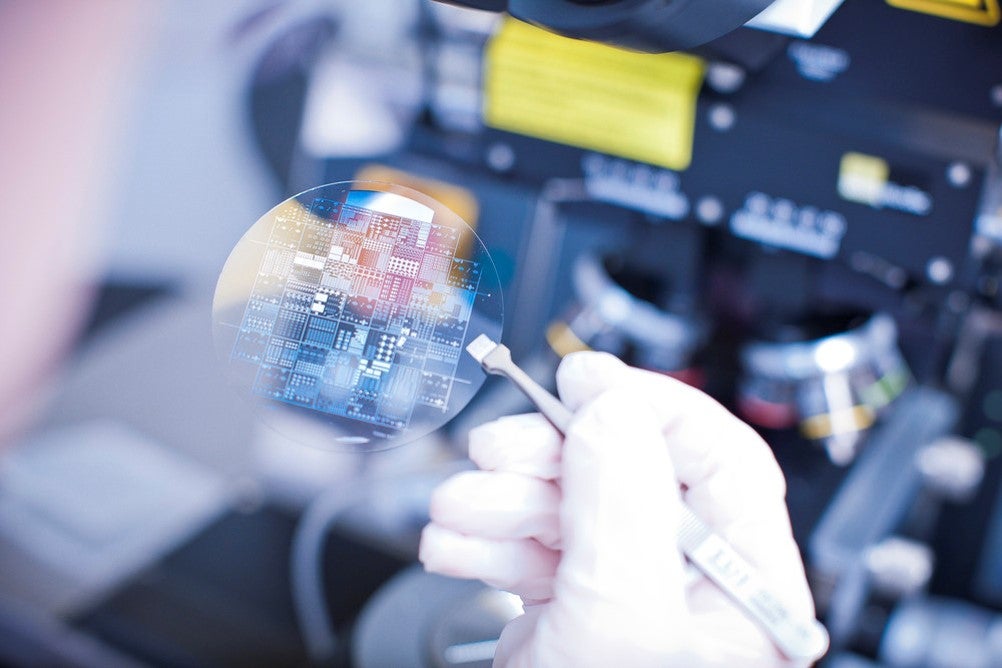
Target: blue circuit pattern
358, 313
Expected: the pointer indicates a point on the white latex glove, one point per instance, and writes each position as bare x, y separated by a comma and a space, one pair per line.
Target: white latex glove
584, 530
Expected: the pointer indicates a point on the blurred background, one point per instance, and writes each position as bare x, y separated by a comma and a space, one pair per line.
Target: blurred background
802, 216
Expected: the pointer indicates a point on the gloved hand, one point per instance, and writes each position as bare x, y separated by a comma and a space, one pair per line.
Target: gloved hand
584, 531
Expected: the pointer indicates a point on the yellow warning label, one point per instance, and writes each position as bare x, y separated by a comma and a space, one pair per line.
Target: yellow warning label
981, 12
634, 105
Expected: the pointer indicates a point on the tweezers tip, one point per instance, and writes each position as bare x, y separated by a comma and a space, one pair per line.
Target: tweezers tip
481, 347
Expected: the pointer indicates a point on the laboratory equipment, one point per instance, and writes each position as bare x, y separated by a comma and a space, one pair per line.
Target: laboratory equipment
761, 193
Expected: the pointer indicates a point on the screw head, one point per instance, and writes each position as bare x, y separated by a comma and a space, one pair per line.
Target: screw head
722, 117
500, 157
709, 210
939, 270
958, 174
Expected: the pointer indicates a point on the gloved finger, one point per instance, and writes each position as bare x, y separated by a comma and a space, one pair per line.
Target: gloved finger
526, 444
516, 637
707, 440
498, 505
621, 575
523, 567
733, 481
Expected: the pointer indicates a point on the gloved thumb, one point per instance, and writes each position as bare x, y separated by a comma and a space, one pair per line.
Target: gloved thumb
621, 575
582, 376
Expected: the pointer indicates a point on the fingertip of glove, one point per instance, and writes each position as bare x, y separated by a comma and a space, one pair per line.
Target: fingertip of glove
448, 497
481, 443
526, 444
582, 375
438, 548
585, 364
428, 549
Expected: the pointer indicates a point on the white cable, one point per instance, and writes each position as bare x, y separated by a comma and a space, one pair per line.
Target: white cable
306, 573
307, 557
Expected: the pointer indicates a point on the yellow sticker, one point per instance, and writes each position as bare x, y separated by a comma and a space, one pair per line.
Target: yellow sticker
563, 341
866, 179
633, 105
862, 178
844, 421
981, 12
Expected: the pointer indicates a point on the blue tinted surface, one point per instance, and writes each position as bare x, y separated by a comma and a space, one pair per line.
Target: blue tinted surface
358, 309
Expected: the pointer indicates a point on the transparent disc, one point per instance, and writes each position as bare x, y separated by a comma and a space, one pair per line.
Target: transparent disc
352, 304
